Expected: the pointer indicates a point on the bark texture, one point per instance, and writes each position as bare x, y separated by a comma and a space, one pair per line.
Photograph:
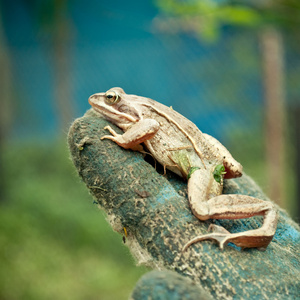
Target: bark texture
155, 212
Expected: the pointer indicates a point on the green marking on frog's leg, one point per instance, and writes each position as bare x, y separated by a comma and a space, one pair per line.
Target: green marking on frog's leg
182, 160
192, 170
219, 173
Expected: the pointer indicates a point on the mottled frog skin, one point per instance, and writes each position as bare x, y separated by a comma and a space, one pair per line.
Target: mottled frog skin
177, 144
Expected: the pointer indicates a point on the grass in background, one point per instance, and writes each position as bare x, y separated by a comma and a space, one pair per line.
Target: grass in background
54, 243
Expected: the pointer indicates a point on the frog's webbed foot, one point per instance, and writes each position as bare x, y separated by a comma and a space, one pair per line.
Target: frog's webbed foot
249, 239
218, 237
218, 233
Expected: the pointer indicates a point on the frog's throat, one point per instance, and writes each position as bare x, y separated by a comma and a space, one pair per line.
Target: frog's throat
113, 114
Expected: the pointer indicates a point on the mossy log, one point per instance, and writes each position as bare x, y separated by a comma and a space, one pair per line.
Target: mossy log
154, 210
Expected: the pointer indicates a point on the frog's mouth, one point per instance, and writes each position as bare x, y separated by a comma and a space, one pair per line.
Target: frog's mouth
109, 112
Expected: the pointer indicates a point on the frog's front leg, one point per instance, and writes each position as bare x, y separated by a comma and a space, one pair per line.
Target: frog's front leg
231, 207
136, 134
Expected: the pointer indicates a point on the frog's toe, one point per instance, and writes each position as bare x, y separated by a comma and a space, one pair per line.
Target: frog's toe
217, 229
220, 238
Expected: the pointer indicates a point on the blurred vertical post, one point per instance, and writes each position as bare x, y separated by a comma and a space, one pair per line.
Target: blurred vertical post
6, 97
273, 67
52, 18
61, 57
296, 136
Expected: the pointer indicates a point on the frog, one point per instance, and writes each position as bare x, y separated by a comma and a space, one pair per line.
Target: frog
181, 147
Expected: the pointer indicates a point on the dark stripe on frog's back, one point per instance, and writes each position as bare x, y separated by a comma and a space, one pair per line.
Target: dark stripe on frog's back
167, 137
187, 125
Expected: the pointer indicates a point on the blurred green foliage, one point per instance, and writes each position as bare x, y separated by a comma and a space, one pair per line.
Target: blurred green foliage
208, 16
54, 243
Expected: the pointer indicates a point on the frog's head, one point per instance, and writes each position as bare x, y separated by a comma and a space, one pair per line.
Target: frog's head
116, 106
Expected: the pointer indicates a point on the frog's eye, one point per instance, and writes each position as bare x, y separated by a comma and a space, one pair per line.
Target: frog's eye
112, 97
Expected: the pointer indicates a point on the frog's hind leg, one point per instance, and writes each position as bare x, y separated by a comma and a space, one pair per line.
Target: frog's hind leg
257, 238
234, 207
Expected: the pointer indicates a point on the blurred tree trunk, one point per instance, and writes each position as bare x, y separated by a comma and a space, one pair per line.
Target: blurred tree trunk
62, 72
273, 67
52, 17
296, 136
6, 100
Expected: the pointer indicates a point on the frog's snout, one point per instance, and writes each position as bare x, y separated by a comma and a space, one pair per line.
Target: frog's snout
93, 99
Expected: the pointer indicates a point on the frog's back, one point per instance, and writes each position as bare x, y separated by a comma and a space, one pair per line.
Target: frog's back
183, 124
178, 141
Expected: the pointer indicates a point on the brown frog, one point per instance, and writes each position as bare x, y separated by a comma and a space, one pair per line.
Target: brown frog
177, 144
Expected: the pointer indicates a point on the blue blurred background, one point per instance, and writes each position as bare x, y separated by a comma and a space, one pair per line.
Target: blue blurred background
231, 67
